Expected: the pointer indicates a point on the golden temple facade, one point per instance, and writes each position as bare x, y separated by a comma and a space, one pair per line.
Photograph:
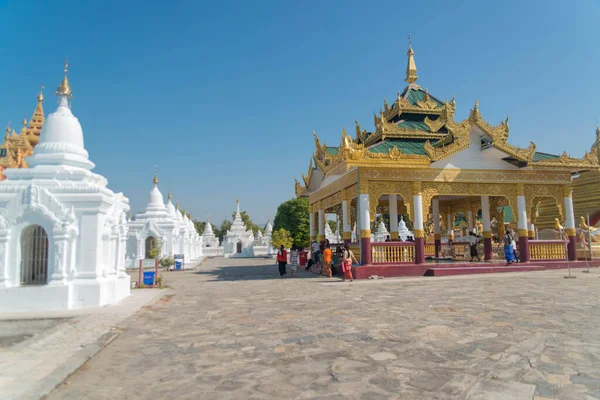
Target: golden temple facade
17, 146
421, 162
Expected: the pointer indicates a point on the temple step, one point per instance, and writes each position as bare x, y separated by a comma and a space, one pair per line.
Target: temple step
450, 271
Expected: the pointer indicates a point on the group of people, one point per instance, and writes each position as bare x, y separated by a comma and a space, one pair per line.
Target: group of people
322, 256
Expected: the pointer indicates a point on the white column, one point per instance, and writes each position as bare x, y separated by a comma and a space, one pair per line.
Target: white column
470, 220
522, 215
57, 274
417, 212
450, 224
122, 247
311, 218
346, 228
485, 214
4, 260
321, 224
394, 216
365, 216
435, 204
569, 214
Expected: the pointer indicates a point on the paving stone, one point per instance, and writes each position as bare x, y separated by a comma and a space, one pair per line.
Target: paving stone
234, 330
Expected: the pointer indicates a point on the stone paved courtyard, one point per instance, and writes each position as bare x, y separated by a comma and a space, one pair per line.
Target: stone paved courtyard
233, 330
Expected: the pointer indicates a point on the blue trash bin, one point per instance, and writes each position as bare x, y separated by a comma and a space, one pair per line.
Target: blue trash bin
178, 264
149, 278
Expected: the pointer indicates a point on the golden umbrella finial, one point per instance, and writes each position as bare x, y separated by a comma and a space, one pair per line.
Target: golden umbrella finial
411, 66
64, 89
170, 196
40, 97
155, 180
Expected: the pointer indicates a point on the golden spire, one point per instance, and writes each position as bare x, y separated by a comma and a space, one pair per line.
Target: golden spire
155, 180
177, 206
64, 89
40, 97
170, 196
24, 128
411, 67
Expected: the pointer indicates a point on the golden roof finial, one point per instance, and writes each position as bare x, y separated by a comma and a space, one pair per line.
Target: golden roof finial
64, 89
177, 206
411, 67
476, 108
170, 196
40, 97
155, 180
24, 121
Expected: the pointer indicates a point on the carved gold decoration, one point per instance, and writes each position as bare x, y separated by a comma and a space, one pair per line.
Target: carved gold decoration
377, 189
417, 187
394, 235
487, 235
365, 234
385, 253
419, 233
546, 250
437, 236
522, 232
567, 191
570, 231
347, 235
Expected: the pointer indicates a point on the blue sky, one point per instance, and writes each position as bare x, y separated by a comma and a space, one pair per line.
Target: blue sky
224, 96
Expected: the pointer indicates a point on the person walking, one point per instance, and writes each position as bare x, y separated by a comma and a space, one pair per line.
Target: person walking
473, 241
294, 260
513, 244
282, 261
508, 250
316, 250
327, 260
347, 259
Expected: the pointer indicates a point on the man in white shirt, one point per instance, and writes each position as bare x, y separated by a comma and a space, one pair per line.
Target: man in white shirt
316, 250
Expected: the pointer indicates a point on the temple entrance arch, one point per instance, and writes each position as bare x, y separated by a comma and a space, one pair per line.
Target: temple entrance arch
34, 256
238, 249
150, 244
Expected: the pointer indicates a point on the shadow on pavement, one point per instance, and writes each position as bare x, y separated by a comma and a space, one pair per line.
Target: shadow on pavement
256, 272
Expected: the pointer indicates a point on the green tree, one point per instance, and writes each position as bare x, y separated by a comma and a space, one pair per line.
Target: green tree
222, 230
199, 225
292, 216
282, 237
332, 225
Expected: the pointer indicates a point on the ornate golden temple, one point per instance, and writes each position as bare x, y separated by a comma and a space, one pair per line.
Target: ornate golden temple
422, 163
17, 146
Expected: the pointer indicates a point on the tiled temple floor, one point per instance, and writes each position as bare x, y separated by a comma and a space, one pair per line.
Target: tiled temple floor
234, 330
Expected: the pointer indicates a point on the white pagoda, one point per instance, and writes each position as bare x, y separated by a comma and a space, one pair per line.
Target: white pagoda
239, 241
62, 230
208, 236
154, 228
403, 231
382, 232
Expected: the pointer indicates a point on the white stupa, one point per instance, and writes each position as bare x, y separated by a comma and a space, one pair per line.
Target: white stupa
154, 227
382, 232
239, 241
403, 231
208, 236
62, 231
329, 235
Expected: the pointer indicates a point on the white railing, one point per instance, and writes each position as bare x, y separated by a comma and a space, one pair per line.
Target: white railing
212, 251
261, 250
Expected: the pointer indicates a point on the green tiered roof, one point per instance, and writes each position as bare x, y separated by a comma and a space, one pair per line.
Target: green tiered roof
406, 146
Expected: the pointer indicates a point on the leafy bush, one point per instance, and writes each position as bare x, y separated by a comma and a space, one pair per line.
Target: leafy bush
166, 262
282, 237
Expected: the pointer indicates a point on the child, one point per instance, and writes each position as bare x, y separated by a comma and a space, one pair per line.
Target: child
294, 260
